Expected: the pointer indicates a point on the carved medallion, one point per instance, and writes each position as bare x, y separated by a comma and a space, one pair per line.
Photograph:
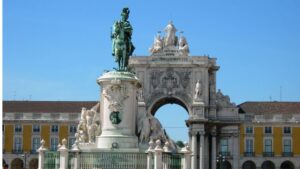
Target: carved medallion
115, 117
115, 94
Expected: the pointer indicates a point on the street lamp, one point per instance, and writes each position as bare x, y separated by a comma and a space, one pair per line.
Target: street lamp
25, 156
220, 160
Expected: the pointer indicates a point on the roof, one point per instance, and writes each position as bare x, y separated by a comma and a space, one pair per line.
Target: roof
270, 107
46, 106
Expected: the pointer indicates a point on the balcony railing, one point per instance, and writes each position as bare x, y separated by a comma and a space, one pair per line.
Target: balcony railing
268, 154
226, 154
249, 154
287, 154
17, 151
33, 152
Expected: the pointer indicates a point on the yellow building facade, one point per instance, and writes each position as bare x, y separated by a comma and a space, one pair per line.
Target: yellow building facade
270, 135
25, 123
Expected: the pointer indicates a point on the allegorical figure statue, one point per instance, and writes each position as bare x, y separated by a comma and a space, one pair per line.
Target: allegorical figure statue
198, 90
157, 45
171, 38
122, 46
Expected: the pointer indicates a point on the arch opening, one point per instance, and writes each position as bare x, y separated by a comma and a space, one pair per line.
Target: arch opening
287, 165
172, 114
167, 100
17, 163
268, 165
224, 165
249, 165
33, 164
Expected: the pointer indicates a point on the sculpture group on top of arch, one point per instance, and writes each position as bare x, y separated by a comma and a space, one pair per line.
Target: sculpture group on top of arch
170, 43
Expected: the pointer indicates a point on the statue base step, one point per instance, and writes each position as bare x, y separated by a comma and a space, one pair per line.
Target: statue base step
116, 142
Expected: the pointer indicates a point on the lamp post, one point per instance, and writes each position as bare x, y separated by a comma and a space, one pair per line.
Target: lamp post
220, 160
25, 156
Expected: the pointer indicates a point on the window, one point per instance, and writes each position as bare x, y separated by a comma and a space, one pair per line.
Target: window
54, 128
249, 130
249, 145
36, 116
268, 145
71, 142
36, 128
268, 130
224, 145
287, 145
18, 116
54, 143
18, 144
18, 128
287, 130
73, 129
35, 144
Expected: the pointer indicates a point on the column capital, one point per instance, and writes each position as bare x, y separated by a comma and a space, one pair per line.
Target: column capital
236, 134
202, 133
193, 133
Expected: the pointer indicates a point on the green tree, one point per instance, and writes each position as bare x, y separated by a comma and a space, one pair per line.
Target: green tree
180, 144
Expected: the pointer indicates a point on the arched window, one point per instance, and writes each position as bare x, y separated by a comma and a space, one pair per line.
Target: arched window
249, 165
33, 164
17, 164
287, 165
268, 165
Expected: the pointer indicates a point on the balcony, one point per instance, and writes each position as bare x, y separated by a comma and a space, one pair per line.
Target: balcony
249, 154
268, 154
287, 154
17, 151
225, 154
33, 152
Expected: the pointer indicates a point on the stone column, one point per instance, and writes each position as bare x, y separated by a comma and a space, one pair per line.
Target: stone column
201, 150
236, 147
194, 149
213, 151
63, 157
76, 159
41, 152
187, 157
150, 152
158, 155
206, 151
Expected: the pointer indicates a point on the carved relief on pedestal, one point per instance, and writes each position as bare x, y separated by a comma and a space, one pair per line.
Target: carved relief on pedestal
115, 94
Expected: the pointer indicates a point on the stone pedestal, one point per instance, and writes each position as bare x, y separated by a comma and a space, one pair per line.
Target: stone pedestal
118, 110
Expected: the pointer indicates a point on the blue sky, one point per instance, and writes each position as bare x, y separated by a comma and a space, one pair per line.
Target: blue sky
55, 50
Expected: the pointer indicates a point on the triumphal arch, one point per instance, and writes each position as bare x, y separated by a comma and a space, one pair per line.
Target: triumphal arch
171, 75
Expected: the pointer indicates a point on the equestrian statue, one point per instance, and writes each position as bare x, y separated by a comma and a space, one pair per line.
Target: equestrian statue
122, 47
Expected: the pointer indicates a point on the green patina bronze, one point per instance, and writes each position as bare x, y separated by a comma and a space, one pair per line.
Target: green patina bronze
122, 46
115, 117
